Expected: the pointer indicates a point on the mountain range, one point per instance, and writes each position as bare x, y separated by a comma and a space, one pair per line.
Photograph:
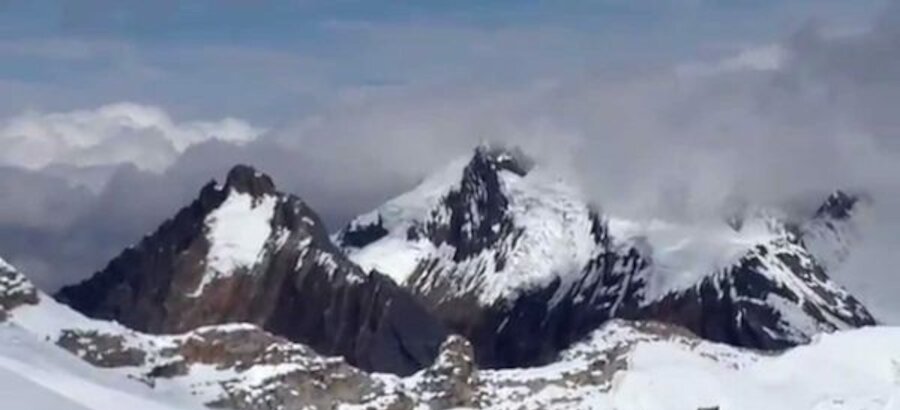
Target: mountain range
494, 283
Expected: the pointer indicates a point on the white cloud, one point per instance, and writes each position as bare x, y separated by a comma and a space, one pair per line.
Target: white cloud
764, 58
769, 57
142, 135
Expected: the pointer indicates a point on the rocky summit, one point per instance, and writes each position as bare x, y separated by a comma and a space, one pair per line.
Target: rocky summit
244, 252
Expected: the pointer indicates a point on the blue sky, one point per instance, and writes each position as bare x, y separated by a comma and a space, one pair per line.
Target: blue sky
274, 60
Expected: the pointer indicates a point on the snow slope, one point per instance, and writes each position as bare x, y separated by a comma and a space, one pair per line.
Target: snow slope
39, 376
858, 369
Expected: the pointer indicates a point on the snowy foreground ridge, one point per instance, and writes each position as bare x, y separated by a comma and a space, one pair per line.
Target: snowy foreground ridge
53, 358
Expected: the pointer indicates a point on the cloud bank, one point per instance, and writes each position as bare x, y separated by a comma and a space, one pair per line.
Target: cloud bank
144, 136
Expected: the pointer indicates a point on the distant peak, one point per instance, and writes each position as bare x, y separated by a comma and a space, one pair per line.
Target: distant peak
501, 157
246, 179
838, 205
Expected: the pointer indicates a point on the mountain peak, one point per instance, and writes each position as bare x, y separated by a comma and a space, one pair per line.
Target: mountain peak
246, 179
501, 157
516, 261
246, 253
838, 205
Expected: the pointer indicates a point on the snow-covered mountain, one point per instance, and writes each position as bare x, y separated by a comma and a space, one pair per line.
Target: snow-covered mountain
242, 301
244, 252
51, 357
511, 256
495, 248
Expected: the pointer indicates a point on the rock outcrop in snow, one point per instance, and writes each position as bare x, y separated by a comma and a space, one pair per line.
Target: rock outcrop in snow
244, 252
15, 290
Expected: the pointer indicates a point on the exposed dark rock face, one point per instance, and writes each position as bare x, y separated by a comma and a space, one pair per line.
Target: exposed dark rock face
246, 180
299, 286
363, 235
477, 210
